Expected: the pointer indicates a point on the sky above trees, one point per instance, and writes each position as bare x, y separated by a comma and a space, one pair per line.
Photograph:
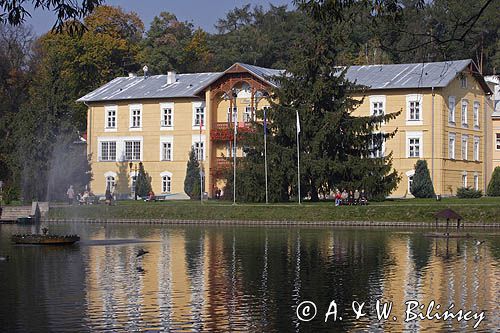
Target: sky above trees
200, 13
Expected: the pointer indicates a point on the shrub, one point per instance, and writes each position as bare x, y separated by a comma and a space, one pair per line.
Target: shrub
468, 193
192, 180
494, 185
422, 184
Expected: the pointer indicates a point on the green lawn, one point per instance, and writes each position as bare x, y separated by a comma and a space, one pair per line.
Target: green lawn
413, 210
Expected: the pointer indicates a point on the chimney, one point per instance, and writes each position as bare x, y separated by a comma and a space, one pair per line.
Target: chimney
171, 77
132, 75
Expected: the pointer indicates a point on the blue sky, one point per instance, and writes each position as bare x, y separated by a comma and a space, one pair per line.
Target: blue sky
202, 13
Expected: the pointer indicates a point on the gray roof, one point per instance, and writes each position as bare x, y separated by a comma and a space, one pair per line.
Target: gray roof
419, 75
266, 74
139, 87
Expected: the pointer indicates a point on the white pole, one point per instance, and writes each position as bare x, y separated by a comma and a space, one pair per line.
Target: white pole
298, 155
265, 153
201, 159
235, 122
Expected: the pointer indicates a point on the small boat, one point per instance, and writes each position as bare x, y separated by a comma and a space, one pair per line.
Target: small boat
25, 220
45, 239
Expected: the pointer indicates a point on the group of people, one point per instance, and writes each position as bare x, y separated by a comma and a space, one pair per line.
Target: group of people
350, 198
87, 197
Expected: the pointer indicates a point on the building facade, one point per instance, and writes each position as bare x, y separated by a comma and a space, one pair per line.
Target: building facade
156, 120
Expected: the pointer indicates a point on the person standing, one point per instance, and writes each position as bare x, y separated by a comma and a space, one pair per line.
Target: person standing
71, 195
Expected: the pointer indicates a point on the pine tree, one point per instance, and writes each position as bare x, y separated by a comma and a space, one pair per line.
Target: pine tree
143, 182
192, 180
422, 184
494, 185
335, 145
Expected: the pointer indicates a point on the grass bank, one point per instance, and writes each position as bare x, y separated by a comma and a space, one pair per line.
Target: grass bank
484, 210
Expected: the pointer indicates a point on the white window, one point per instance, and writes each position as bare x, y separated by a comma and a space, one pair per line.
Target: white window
135, 117
465, 143
476, 181
110, 121
132, 150
465, 104
108, 151
451, 145
451, 109
464, 179
476, 114
377, 105
377, 145
166, 182
167, 115
166, 151
198, 115
414, 144
414, 109
198, 144
249, 115
498, 141
463, 81
476, 148
409, 175
234, 113
133, 180
110, 183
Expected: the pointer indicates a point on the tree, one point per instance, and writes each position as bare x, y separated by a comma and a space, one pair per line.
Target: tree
494, 185
14, 12
335, 145
192, 180
143, 182
421, 186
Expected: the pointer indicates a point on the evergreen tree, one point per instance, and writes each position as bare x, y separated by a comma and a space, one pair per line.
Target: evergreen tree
143, 182
192, 180
494, 185
335, 145
422, 184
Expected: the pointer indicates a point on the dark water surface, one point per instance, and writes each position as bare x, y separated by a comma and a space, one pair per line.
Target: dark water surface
248, 279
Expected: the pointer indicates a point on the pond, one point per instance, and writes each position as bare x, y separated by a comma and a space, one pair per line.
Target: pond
251, 279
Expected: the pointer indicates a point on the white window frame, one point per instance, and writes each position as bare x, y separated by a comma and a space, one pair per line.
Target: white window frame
464, 113
465, 147
463, 81
381, 150
497, 141
412, 99
415, 135
163, 109
107, 109
451, 148
464, 179
168, 175
167, 140
108, 159
133, 152
132, 108
195, 140
476, 148
476, 181
248, 114
409, 175
196, 107
451, 110
475, 112
108, 175
133, 181
235, 114
377, 99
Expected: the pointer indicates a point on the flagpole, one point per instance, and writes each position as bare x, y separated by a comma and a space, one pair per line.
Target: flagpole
265, 150
235, 122
201, 159
298, 155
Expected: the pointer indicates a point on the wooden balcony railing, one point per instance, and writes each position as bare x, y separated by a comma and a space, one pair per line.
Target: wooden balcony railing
225, 132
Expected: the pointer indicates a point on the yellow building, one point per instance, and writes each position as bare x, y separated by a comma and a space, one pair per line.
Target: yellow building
156, 120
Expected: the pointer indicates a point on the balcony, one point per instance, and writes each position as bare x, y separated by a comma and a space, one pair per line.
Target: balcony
225, 131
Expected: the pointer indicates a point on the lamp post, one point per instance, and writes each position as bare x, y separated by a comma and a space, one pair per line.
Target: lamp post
264, 94
134, 182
